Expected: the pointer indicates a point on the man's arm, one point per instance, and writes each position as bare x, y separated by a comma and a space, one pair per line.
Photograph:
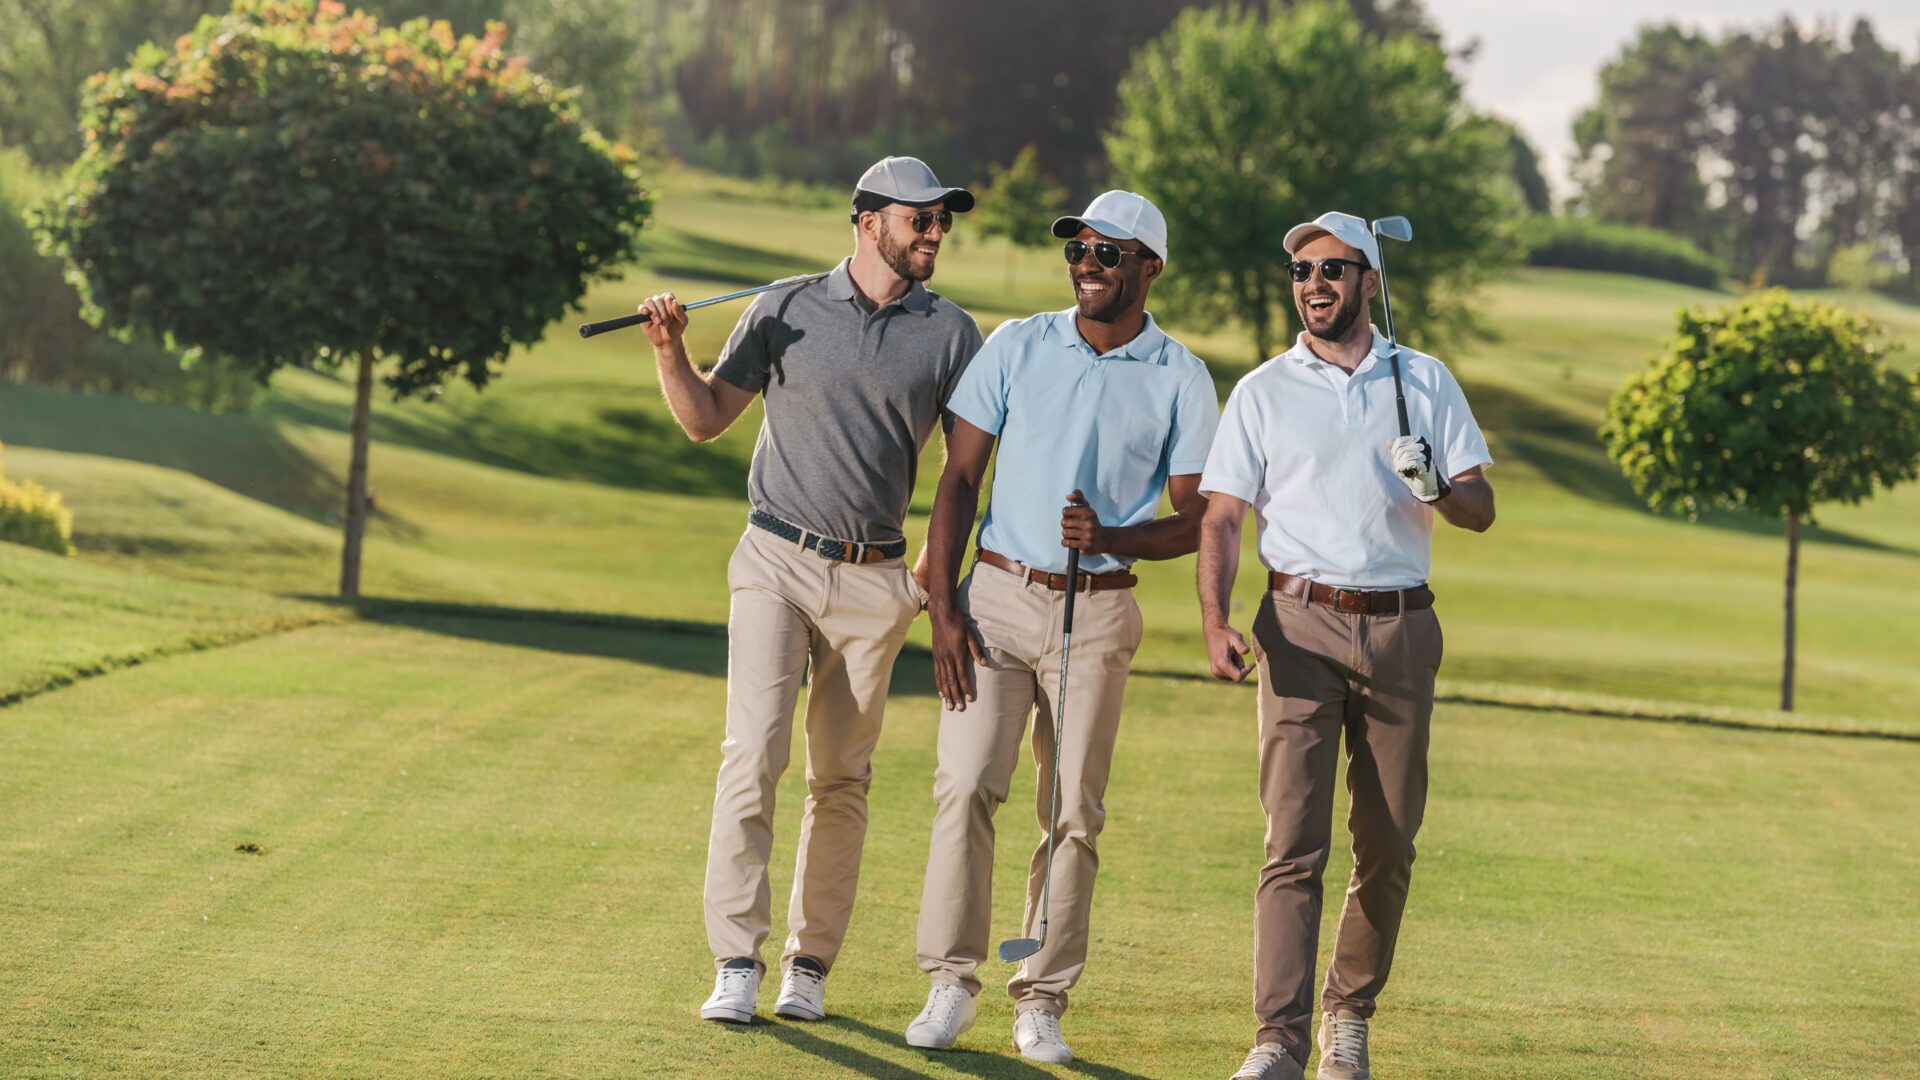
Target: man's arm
703, 405
956, 646
1162, 538
1219, 564
1470, 502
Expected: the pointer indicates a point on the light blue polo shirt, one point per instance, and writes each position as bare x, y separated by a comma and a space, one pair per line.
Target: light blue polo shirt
1114, 426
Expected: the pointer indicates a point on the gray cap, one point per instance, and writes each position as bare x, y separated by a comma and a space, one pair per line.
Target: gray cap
908, 180
1120, 215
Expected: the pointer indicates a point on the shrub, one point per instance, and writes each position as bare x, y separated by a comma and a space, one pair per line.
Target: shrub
34, 516
1579, 243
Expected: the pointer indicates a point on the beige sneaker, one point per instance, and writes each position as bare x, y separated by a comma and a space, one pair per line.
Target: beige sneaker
1269, 1061
1036, 1034
1343, 1046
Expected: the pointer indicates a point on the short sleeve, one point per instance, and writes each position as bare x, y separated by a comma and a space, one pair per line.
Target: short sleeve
1461, 445
1196, 415
965, 347
1236, 465
980, 397
745, 360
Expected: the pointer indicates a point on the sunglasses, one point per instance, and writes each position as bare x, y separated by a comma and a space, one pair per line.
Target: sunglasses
1330, 269
924, 219
1105, 253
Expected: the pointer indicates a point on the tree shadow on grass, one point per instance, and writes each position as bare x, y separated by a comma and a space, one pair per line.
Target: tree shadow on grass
673, 252
1565, 447
697, 648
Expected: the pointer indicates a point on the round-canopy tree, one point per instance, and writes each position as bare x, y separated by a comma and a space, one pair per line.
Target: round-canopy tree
292, 183
1772, 406
1019, 203
1240, 122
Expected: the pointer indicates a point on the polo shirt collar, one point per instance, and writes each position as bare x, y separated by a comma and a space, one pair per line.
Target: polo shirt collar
840, 287
1304, 356
1146, 345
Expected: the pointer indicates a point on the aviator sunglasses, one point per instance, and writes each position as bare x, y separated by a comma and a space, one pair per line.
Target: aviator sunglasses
1106, 253
1331, 269
921, 220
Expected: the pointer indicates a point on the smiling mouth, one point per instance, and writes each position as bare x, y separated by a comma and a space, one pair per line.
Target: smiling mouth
929, 250
1089, 288
1320, 304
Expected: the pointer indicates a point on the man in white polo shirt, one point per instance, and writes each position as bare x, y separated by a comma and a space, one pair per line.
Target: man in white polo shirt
1094, 404
1347, 637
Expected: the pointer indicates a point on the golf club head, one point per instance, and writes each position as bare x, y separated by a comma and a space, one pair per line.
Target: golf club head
1018, 949
1393, 228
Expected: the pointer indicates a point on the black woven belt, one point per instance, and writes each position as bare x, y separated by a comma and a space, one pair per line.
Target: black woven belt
825, 547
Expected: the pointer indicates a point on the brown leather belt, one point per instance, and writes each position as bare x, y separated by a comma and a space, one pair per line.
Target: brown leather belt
1352, 601
1057, 582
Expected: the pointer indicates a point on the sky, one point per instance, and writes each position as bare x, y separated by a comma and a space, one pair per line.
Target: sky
1539, 61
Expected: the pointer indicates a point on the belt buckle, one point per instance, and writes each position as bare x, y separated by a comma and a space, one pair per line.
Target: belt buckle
1350, 601
830, 549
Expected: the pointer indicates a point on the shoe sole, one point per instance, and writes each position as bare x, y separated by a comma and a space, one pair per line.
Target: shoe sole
796, 1012
1044, 1060
948, 1045
726, 1016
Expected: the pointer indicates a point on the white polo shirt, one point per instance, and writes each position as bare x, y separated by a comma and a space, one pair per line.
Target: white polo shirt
1307, 445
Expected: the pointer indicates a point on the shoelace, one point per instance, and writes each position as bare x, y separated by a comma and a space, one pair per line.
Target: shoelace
1257, 1062
735, 980
1349, 1042
1046, 1026
945, 1003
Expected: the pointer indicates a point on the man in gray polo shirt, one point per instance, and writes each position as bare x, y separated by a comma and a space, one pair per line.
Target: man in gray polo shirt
856, 365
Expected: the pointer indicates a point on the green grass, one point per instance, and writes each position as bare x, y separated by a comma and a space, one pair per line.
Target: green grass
482, 797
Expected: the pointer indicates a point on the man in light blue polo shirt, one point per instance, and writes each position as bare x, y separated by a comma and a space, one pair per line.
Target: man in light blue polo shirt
1093, 405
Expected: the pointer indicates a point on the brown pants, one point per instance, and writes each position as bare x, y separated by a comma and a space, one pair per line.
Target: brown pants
1324, 672
793, 612
979, 749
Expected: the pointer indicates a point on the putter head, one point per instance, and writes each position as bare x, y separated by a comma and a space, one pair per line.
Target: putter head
1393, 228
1018, 949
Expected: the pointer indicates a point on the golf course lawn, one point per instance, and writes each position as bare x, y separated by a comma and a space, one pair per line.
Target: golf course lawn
480, 797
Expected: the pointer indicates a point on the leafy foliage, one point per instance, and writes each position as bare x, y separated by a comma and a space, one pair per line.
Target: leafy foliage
290, 182
1020, 202
1224, 128
1770, 405
1584, 243
34, 516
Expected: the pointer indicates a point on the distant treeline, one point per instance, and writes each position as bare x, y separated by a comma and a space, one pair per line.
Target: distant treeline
1791, 154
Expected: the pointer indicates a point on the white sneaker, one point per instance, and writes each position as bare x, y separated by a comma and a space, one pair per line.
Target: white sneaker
803, 993
948, 1015
736, 992
1269, 1061
1343, 1046
1036, 1033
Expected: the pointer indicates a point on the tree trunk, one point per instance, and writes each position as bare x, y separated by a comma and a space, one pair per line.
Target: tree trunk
357, 479
1793, 578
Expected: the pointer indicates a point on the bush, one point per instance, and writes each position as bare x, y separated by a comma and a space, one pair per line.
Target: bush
34, 516
44, 340
1579, 243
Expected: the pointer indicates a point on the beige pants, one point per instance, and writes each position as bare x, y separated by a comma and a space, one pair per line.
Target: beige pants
979, 749
1323, 673
793, 610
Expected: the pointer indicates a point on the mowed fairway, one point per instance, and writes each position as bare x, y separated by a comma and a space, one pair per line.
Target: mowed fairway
480, 800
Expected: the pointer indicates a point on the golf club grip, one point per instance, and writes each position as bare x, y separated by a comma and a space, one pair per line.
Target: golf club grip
1400, 394
621, 323
1073, 587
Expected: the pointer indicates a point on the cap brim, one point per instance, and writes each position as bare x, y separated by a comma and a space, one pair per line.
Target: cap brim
1299, 234
958, 200
1067, 228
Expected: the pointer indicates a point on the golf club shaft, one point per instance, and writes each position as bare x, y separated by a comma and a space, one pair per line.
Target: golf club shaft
1059, 729
624, 321
1393, 343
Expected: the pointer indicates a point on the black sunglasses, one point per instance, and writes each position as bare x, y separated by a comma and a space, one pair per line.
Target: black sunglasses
1106, 253
1331, 269
922, 220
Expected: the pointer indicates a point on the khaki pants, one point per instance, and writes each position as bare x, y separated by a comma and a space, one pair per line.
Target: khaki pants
980, 748
1324, 672
792, 611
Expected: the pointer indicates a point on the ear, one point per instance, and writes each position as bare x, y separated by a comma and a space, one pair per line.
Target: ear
1370, 284
1154, 266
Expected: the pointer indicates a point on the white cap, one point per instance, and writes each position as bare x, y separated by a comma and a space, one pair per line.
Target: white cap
1350, 230
908, 180
1120, 215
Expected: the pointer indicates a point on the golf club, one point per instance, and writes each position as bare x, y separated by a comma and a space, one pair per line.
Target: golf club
624, 321
1020, 948
1393, 228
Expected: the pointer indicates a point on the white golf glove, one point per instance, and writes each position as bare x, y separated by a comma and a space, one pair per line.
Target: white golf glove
1413, 463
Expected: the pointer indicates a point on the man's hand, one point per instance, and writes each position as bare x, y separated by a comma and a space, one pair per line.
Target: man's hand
957, 646
1225, 647
1413, 463
669, 320
1080, 527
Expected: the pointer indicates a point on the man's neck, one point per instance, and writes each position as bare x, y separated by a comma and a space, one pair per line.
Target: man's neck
876, 280
1108, 336
1347, 352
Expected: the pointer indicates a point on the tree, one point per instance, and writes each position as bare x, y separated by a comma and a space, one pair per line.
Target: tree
1019, 202
1239, 124
1773, 406
290, 184
1640, 147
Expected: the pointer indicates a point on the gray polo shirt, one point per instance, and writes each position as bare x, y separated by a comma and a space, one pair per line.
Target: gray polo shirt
851, 398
